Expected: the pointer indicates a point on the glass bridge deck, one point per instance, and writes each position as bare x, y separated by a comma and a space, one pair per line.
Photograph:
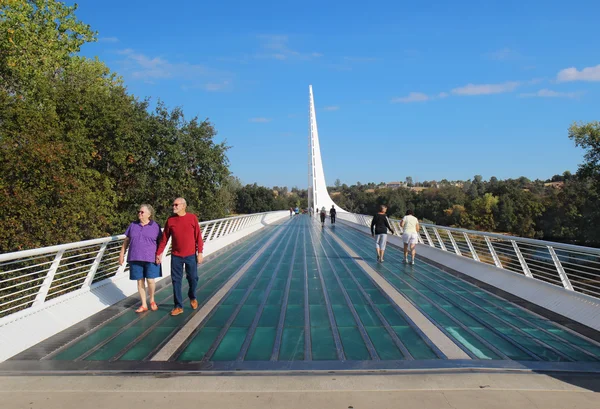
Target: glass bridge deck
307, 303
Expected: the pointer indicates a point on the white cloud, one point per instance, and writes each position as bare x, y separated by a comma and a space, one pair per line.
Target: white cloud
443, 95
501, 55
108, 40
217, 86
486, 89
276, 47
331, 108
572, 74
547, 93
412, 97
149, 69
260, 120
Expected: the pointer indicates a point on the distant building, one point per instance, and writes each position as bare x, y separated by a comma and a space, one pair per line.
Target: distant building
418, 189
556, 185
395, 185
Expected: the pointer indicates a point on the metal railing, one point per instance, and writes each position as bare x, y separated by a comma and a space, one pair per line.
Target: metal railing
576, 268
31, 278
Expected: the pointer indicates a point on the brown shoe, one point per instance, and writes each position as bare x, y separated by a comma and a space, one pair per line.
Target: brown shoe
194, 304
176, 311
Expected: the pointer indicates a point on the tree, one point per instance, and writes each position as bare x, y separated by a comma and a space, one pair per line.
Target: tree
337, 184
409, 181
587, 136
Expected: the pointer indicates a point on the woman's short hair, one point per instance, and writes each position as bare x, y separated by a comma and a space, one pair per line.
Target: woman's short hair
382, 208
150, 209
409, 212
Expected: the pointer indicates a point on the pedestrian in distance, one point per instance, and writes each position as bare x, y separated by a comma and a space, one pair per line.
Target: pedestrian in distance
322, 214
410, 235
186, 252
332, 213
141, 237
379, 229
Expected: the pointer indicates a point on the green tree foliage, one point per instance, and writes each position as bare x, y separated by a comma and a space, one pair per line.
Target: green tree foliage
79, 154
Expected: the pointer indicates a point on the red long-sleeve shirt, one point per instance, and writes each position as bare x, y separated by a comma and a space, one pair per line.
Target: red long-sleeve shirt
185, 233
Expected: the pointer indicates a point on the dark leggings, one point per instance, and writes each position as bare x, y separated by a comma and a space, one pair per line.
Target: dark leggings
322, 217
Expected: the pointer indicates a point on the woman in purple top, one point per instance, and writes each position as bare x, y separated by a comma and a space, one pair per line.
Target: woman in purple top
142, 238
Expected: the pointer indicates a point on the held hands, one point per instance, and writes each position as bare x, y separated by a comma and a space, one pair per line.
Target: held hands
158, 259
121, 259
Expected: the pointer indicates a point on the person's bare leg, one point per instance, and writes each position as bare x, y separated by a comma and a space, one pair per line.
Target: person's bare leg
413, 250
381, 256
405, 252
151, 289
142, 291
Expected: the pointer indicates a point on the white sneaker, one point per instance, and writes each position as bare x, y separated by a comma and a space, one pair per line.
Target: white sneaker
412, 261
405, 261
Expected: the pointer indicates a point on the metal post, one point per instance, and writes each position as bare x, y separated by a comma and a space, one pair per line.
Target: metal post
94, 267
524, 265
437, 234
473, 252
43, 291
561, 271
493, 252
456, 249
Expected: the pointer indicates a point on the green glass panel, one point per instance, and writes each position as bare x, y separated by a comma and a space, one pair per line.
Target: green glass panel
354, 346
270, 316
392, 315
116, 345
414, 343
318, 316
316, 297
343, 316
383, 343
280, 283
292, 345
336, 296
356, 297
377, 297
296, 297
275, 297
220, 316
508, 348
85, 344
231, 344
294, 316
143, 348
323, 345
234, 297
261, 346
245, 316
367, 315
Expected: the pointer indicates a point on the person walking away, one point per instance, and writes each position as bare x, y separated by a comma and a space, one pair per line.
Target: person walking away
332, 213
310, 211
186, 252
323, 214
142, 238
410, 236
379, 229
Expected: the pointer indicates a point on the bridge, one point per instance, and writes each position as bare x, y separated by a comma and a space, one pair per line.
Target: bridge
282, 295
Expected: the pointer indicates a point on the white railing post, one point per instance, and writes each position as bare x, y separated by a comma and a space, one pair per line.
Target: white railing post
43, 291
524, 265
439, 239
473, 252
212, 231
90, 276
456, 249
428, 236
561, 271
493, 252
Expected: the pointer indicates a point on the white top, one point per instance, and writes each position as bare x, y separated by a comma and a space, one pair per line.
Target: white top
410, 224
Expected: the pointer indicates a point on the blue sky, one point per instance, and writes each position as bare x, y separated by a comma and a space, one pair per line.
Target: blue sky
431, 90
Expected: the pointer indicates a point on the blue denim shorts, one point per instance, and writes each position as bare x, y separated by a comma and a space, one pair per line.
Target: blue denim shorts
143, 269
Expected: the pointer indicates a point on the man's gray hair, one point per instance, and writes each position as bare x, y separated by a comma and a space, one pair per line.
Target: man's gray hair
183, 200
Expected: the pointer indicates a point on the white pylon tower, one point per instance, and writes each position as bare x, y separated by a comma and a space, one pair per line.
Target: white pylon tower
317, 188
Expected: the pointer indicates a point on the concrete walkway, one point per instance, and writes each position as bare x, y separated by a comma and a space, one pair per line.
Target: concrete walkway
452, 390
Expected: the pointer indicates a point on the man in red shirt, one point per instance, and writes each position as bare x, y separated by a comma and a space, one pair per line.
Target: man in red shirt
186, 250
